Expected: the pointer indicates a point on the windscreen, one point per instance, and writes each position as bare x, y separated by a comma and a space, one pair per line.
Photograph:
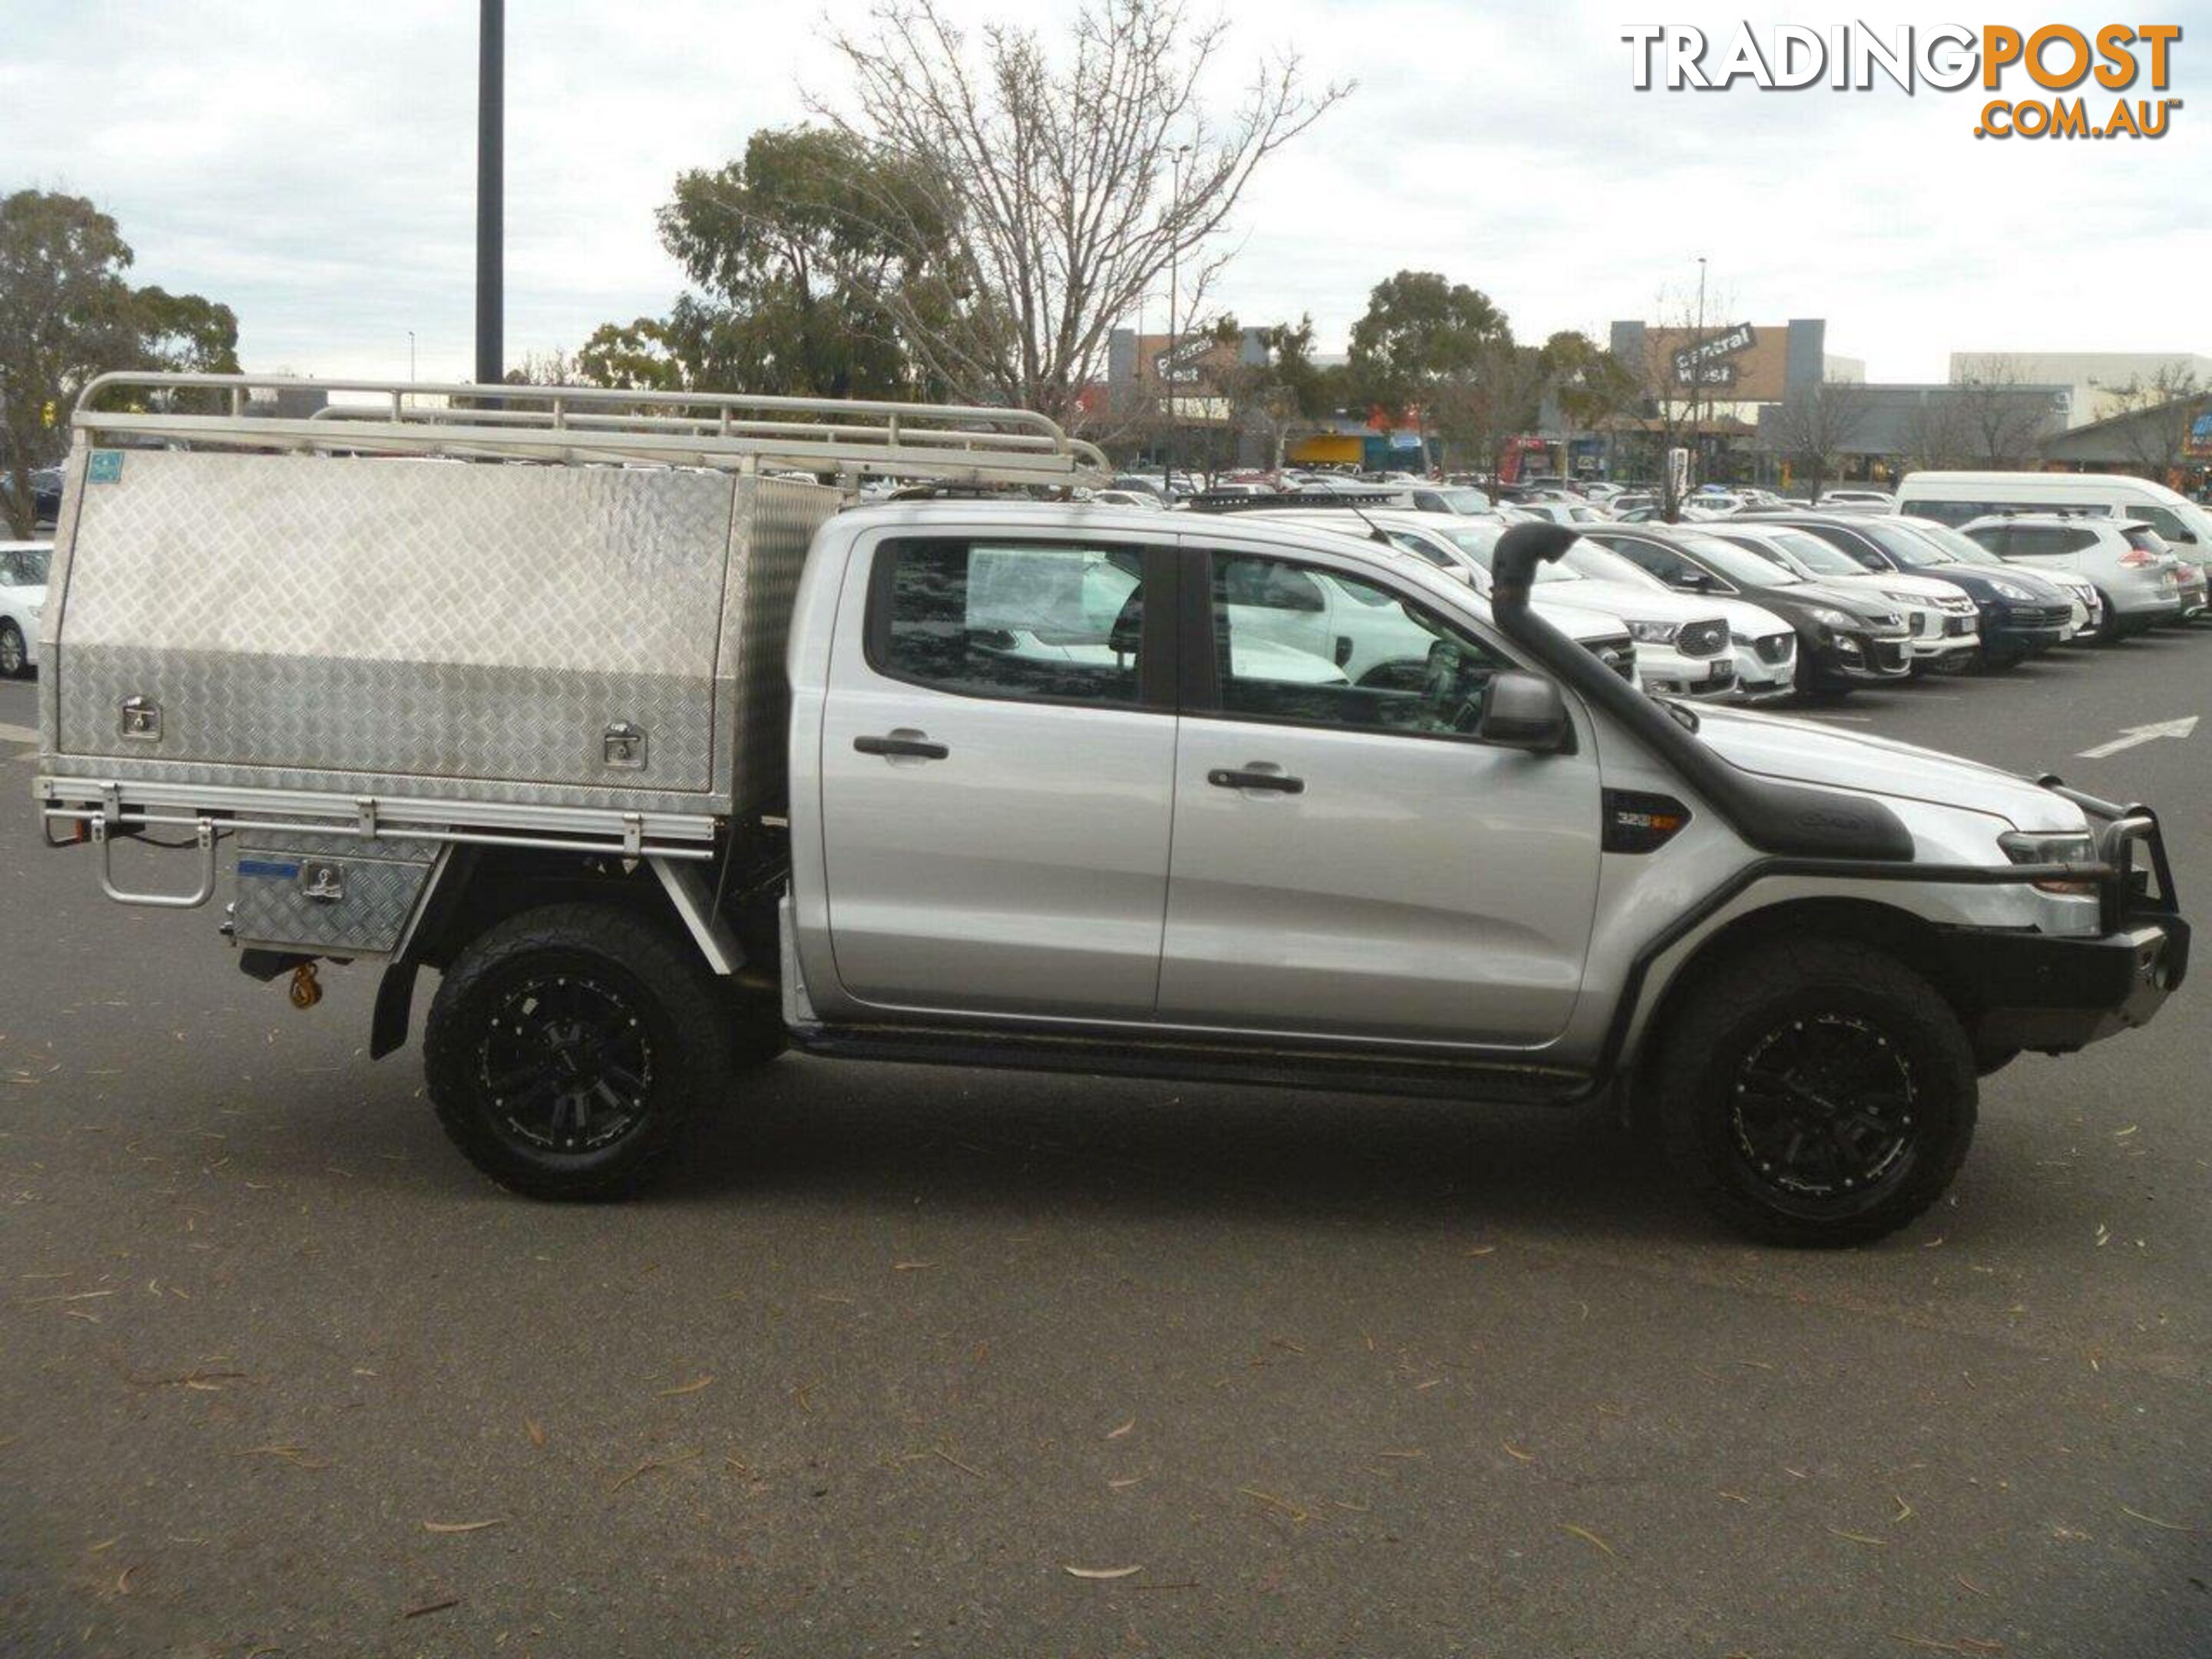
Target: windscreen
1944, 539
1907, 547
1479, 543
1738, 564
1601, 564
1820, 557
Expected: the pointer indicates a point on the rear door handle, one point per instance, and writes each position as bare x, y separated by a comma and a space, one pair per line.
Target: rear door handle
1223, 777
912, 744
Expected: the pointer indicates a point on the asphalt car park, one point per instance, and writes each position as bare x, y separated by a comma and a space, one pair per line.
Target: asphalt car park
932, 1361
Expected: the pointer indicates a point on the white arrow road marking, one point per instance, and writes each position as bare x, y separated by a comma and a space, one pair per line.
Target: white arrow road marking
2130, 736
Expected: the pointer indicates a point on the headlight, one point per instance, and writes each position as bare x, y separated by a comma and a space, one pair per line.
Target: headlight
1653, 633
2069, 847
1831, 619
2006, 590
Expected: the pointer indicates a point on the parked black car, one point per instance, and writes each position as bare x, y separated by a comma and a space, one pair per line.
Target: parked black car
2021, 612
46, 494
1845, 639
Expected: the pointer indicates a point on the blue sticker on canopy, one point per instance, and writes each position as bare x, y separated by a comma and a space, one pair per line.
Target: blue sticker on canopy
107, 467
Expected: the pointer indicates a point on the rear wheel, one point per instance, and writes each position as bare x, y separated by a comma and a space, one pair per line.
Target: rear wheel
1816, 1093
2108, 625
14, 658
568, 1047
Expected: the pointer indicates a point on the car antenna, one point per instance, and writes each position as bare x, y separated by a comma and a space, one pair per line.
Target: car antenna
1375, 531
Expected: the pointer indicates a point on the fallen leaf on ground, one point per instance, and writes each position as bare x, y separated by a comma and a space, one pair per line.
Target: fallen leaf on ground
432, 1606
2152, 1520
1101, 1572
462, 1525
1585, 1534
692, 1386
1273, 1502
649, 1464
536, 1430
1115, 1434
1515, 1453
1860, 1538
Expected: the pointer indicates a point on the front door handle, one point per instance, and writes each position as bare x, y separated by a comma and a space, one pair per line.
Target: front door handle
1224, 777
911, 744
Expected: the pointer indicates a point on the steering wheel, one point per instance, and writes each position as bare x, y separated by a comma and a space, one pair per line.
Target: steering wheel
1447, 691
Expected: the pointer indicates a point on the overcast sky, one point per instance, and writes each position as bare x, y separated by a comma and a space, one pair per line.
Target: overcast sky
313, 165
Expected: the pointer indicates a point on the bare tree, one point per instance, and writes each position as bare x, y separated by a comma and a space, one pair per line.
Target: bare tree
1670, 403
2005, 418
2158, 415
1496, 397
1814, 425
1071, 180
1936, 435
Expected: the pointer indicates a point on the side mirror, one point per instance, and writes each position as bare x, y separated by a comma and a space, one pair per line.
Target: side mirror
1521, 710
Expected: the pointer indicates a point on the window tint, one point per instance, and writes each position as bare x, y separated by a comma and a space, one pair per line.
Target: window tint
1369, 661
2164, 520
2146, 541
1668, 566
1997, 537
1953, 513
2041, 541
1048, 622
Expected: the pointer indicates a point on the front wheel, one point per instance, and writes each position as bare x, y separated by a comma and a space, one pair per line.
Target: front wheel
1816, 1093
568, 1047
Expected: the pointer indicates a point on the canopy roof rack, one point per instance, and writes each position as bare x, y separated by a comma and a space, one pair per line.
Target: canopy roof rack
570, 424
1307, 501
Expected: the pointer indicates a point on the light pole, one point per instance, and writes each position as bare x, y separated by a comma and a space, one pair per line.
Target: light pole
491, 176
1698, 368
1174, 272
410, 356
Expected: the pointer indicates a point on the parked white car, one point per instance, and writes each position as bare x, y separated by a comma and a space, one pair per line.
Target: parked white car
2087, 622
1762, 647
1946, 626
1684, 646
1959, 498
22, 600
2138, 575
1604, 634
1573, 513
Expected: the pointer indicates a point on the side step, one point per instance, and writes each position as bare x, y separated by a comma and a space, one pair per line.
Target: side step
1358, 1070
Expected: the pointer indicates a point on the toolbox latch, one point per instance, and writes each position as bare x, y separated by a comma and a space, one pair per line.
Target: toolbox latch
623, 745
139, 719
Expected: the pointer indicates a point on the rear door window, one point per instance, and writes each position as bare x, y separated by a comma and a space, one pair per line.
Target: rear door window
2165, 521
1048, 622
2040, 541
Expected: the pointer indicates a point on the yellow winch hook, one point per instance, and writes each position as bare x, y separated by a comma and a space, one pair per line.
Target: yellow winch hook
306, 991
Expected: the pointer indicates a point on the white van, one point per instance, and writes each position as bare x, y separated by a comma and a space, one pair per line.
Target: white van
1953, 498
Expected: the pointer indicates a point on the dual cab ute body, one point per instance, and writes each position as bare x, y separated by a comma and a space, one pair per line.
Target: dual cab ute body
662, 764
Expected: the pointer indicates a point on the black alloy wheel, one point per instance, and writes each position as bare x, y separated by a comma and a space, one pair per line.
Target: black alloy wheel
1823, 1107
1813, 1090
565, 1063
569, 1046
